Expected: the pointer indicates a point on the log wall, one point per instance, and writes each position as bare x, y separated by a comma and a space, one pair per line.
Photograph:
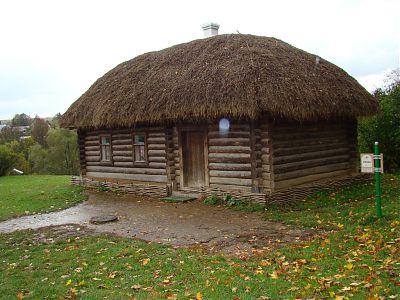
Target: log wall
309, 152
230, 158
122, 165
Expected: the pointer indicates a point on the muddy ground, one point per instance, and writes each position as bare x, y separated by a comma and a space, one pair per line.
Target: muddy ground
191, 224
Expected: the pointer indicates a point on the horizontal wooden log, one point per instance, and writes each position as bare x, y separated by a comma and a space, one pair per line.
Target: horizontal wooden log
231, 174
124, 164
90, 148
122, 136
156, 140
122, 158
231, 181
229, 134
308, 148
92, 153
327, 139
309, 155
229, 155
311, 171
137, 177
156, 146
156, 134
282, 168
128, 147
310, 178
156, 153
229, 142
229, 166
92, 138
125, 170
123, 153
229, 159
157, 159
123, 142
92, 158
229, 149
92, 143
157, 165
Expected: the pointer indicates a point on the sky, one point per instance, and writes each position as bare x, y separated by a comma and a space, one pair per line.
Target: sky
52, 51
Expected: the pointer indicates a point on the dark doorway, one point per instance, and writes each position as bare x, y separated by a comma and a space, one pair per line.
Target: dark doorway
193, 158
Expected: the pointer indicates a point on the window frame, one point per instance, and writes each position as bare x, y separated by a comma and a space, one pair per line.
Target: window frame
103, 161
146, 161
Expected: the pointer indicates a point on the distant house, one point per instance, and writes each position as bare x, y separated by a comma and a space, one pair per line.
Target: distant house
240, 114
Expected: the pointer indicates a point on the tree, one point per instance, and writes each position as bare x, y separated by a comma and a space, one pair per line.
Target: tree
10, 159
8, 134
38, 159
39, 130
21, 120
384, 127
61, 155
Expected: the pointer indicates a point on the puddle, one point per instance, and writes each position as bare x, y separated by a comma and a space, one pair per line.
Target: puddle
190, 224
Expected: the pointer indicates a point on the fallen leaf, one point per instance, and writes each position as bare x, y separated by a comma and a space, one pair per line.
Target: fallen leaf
349, 266
20, 296
273, 275
136, 287
112, 274
199, 296
234, 289
68, 282
145, 261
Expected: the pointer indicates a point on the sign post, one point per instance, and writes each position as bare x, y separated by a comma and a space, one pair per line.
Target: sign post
377, 164
373, 163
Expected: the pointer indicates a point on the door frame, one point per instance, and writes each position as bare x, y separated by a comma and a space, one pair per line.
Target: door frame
188, 128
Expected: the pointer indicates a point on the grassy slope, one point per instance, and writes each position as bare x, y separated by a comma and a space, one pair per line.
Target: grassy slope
20, 195
358, 260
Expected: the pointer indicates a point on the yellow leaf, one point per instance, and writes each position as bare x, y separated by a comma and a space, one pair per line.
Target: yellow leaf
273, 275
199, 296
82, 283
68, 282
332, 294
339, 298
349, 266
340, 226
145, 261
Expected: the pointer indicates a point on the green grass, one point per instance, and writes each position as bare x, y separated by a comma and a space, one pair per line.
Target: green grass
355, 257
21, 195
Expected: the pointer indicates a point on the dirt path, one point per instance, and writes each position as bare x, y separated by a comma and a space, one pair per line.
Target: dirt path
183, 224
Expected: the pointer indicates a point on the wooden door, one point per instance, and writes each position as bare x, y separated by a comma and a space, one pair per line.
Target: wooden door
193, 158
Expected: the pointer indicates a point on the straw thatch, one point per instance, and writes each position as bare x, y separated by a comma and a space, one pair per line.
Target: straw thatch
237, 76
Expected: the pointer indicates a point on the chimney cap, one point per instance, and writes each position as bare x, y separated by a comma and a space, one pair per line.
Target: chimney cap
210, 25
210, 29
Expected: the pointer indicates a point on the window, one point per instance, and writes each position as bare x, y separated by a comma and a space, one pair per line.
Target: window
139, 148
105, 148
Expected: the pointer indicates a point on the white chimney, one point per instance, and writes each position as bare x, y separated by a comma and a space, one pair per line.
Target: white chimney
210, 29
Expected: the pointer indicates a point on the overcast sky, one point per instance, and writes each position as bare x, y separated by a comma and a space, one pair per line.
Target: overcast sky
52, 51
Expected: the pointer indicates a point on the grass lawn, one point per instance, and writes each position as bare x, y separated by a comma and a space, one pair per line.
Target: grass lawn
356, 258
21, 195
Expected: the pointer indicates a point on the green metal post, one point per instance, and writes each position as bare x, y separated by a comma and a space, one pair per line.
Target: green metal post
377, 165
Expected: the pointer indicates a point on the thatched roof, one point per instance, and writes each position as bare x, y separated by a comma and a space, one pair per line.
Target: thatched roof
237, 76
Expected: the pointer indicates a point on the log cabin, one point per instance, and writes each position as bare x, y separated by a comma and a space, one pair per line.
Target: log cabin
236, 114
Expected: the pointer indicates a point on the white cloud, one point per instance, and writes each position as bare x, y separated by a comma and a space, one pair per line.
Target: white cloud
64, 46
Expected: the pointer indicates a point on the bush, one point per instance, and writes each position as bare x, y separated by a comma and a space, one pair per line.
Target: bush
9, 159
